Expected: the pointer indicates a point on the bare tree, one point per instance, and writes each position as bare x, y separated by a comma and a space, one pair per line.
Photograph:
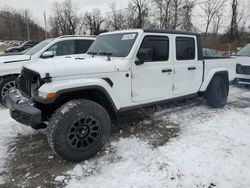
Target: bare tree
174, 14
93, 21
131, 20
211, 8
239, 17
186, 15
13, 25
177, 5
65, 20
234, 32
217, 22
117, 19
164, 11
141, 7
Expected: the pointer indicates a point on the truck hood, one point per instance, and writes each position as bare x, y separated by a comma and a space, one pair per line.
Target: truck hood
14, 58
243, 60
71, 67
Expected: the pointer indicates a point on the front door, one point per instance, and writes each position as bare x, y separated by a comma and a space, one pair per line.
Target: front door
152, 80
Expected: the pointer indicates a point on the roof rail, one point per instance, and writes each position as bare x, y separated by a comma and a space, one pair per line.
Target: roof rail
66, 36
171, 31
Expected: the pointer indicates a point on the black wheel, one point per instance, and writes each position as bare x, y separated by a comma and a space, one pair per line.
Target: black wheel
217, 93
78, 130
6, 85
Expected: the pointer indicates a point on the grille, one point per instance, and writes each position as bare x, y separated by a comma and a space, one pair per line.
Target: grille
27, 80
243, 69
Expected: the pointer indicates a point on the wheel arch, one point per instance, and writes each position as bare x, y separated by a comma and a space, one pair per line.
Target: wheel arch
223, 73
7, 76
96, 93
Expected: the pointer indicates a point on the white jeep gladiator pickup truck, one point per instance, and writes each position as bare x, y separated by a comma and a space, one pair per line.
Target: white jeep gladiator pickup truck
79, 99
10, 66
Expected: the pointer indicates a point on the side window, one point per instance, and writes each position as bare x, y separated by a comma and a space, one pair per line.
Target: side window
82, 46
185, 48
61, 48
159, 45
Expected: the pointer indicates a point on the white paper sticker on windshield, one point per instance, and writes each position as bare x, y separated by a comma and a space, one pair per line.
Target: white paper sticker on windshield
128, 37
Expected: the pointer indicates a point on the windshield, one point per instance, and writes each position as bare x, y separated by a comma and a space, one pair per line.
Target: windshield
117, 45
38, 47
244, 51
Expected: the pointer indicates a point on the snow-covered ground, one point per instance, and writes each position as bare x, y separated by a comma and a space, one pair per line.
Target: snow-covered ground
8, 131
211, 149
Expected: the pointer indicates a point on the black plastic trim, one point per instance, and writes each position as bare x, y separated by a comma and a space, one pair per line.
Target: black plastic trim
59, 93
158, 102
23, 113
6, 62
199, 47
109, 81
216, 74
170, 31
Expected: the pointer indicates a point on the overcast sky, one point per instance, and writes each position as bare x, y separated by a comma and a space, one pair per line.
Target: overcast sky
37, 7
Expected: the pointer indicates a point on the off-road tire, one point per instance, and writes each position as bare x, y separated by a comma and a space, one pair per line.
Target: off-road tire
3, 83
217, 93
73, 116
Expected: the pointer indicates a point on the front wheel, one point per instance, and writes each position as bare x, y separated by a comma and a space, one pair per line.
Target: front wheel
6, 85
217, 93
78, 130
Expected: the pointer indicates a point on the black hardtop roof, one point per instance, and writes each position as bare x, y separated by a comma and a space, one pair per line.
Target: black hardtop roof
171, 31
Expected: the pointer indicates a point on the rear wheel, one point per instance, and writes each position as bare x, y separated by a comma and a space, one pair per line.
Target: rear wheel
6, 85
78, 130
217, 93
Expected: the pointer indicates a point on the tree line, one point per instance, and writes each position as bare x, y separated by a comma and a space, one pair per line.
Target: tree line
66, 19
170, 14
14, 24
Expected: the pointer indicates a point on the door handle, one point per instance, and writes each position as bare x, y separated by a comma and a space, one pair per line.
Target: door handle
191, 68
166, 70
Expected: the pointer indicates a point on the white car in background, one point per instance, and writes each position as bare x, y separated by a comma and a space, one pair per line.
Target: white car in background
243, 66
64, 46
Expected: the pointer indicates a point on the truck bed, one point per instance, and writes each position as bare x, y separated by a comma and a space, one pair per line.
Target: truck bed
228, 63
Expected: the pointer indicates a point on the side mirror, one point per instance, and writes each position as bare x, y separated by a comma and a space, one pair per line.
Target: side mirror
46, 55
144, 55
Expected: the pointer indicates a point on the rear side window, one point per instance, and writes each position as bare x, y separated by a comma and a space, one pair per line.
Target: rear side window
159, 46
62, 48
82, 46
185, 48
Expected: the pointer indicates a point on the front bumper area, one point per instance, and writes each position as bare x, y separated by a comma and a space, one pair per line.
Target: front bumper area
22, 111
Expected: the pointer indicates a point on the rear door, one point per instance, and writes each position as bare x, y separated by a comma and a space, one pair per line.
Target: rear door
188, 70
152, 81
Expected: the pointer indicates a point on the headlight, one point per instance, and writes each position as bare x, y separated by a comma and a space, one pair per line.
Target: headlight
45, 95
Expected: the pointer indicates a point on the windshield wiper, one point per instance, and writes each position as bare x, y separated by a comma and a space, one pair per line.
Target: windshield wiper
92, 53
107, 54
